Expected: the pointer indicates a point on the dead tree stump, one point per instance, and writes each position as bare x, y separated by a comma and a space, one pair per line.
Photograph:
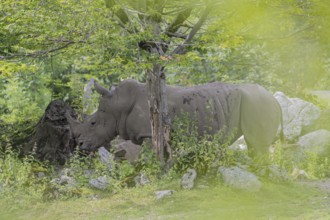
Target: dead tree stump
52, 139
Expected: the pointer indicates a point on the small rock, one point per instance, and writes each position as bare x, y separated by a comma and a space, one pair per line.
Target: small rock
187, 180
164, 193
277, 173
202, 186
64, 180
66, 172
89, 173
141, 180
299, 174
93, 197
64, 185
41, 174
101, 182
316, 141
238, 178
106, 157
239, 144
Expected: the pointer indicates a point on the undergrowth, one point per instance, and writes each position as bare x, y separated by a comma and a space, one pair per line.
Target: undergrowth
40, 181
316, 166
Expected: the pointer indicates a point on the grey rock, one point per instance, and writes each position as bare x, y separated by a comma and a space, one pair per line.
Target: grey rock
187, 180
41, 174
317, 142
239, 144
299, 174
63, 185
66, 172
164, 193
101, 182
141, 180
297, 114
274, 173
126, 150
93, 197
240, 179
89, 173
106, 157
64, 180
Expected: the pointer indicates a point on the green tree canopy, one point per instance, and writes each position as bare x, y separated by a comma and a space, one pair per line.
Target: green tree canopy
49, 49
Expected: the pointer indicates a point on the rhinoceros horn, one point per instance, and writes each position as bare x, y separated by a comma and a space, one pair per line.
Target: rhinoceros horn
101, 90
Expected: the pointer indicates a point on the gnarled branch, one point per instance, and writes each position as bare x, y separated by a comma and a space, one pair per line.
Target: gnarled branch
178, 21
42, 52
197, 26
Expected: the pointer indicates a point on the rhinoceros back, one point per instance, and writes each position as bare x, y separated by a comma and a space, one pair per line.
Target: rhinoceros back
232, 109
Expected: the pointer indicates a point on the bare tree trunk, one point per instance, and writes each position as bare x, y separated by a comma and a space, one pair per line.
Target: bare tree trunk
160, 120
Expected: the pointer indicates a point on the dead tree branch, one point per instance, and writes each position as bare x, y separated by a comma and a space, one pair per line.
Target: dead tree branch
197, 26
178, 21
40, 53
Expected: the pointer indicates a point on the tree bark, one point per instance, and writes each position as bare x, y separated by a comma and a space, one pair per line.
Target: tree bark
157, 45
160, 120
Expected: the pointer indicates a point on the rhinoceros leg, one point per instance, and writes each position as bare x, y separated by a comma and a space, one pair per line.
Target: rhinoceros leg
232, 130
260, 118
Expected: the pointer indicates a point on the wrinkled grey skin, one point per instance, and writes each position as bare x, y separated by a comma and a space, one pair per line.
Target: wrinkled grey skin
236, 110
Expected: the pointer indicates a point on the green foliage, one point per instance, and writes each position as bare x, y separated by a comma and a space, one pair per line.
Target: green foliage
204, 154
20, 108
20, 175
148, 162
48, 50
315, 165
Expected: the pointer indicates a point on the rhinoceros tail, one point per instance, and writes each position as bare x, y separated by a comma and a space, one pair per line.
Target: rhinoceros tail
282, 136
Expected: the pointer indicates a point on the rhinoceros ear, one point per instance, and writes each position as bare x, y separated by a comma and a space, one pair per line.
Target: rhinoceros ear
101, 90
113, 88
72, 122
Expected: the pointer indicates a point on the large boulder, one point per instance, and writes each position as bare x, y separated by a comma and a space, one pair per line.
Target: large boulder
317, 142
240, 179
126, 150
297, 114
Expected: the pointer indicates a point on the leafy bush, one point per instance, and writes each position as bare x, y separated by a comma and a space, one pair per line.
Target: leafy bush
191, 151
22, 175
148, 162
315, 165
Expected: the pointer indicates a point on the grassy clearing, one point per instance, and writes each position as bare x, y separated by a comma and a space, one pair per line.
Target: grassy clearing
274, 201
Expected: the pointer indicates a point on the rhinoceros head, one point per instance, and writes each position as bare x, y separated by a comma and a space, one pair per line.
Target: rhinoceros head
99, 128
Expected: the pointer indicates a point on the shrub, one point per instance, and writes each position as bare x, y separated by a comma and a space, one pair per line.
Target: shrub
22, 175
315, 165
202, 153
